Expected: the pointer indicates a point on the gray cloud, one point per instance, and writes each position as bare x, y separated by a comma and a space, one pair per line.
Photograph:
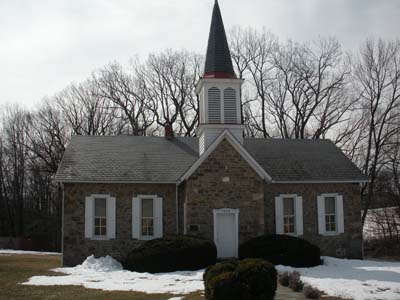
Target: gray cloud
44, 45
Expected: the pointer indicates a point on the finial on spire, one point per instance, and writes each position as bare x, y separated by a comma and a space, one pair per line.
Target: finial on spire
218, 58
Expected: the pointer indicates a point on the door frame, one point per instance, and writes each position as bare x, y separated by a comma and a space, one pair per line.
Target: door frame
225, 211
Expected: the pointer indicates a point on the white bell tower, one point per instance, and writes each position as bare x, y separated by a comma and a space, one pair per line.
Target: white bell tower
219, 90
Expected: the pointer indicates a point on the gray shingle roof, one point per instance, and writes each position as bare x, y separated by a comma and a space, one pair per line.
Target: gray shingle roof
126, 159
157, 159
303, 160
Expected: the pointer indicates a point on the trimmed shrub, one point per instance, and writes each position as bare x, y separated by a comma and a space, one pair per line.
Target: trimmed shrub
283, 278
220, 268
224, 286
311, 293
282, 250
253, 279
172, 253
295, 282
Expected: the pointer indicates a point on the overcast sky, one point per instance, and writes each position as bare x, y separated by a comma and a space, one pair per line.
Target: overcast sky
45, 45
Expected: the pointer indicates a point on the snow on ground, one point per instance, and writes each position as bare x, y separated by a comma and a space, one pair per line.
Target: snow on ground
356, 279
106, 274
10, 251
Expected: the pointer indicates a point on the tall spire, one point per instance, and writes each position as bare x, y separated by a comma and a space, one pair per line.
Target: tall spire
218, 58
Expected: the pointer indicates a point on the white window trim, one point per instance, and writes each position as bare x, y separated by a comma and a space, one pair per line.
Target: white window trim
146, 237
93, 198
298, 215
337, 220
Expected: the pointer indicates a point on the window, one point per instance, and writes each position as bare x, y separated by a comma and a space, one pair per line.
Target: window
289, 217
100, 216
147, 217
289, 214
330, 214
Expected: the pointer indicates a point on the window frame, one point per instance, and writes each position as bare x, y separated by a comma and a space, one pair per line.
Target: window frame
294, 216
94, 236
335, 196
298, 214
153, 198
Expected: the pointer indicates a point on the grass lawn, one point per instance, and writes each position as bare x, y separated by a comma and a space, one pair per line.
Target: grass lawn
15, 269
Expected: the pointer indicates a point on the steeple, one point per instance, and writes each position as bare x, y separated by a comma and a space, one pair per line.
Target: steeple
218, 58
219, 89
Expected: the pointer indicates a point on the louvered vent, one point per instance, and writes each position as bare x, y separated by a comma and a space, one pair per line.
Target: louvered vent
214, 106
230, 111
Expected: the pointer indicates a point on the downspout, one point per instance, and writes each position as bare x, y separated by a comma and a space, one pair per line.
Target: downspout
62, 224
177, 208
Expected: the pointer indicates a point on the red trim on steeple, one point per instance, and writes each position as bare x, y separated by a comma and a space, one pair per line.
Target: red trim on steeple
219, 75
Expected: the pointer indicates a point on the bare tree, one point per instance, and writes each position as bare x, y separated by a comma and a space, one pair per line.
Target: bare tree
47, 136
13, 165
294, 90
85, 112
169, 80
308, 96
128, 96
252, 54
377, 74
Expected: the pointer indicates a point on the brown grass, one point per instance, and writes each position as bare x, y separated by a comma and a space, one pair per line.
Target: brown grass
15, 269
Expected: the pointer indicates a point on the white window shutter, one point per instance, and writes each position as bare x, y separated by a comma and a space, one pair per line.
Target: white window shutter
136, 217
279, 215
214, 105
321, 214
158, 218
299, 215
89, 217
111, 217
340, 215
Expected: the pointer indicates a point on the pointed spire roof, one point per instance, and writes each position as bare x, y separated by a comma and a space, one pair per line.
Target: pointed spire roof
218, 58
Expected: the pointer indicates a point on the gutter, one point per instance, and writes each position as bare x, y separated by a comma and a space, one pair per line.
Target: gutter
319, 181
113, 182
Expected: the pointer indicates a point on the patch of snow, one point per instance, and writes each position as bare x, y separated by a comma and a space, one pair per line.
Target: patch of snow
350, 278
11, 251
176, 298
105, 273
102, 264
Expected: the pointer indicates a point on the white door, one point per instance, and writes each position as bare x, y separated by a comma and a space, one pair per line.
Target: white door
226, 233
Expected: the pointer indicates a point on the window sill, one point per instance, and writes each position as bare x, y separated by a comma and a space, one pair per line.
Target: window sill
99, 238
291, 234
330, 233
146, 238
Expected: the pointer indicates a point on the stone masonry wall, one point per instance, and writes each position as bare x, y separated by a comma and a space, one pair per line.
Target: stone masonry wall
208, 188
77, 247
348, 244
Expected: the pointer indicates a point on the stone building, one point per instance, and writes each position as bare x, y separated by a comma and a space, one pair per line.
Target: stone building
120, 191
